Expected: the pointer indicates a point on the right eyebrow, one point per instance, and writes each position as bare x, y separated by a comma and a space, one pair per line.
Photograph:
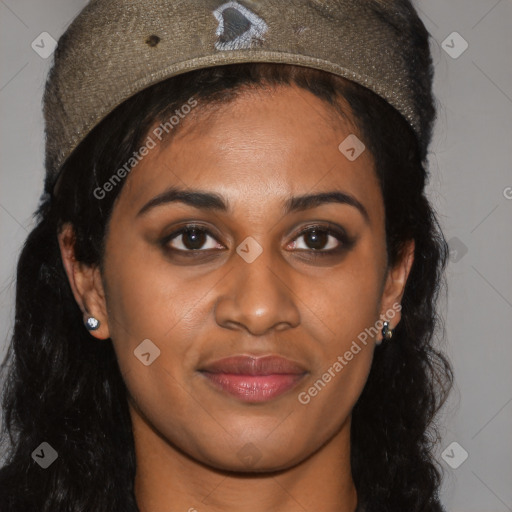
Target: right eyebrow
195, 198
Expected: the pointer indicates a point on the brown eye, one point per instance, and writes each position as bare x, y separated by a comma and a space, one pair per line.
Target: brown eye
316, 239
192, 238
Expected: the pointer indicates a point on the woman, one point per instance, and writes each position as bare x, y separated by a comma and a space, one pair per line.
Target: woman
228, 302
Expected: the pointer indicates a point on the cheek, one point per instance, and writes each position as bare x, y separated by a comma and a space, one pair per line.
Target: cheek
348, 301
148, 299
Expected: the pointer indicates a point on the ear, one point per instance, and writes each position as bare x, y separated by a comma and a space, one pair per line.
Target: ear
85, 282
394, 287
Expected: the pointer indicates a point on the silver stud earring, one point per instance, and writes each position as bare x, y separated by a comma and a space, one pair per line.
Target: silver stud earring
92, 323
387, 333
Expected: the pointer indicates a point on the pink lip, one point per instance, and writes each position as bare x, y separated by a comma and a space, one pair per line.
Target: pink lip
254, 379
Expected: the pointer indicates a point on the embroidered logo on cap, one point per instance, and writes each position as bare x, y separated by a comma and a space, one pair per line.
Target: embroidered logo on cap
238, 28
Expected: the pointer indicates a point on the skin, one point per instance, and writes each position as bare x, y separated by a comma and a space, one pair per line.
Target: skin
255, 152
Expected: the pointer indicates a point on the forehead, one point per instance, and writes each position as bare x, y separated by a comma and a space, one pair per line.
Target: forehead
265, 143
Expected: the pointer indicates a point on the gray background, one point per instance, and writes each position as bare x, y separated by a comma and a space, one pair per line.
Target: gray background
471, 187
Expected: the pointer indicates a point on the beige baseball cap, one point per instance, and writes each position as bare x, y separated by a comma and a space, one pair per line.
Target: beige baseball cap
116, 48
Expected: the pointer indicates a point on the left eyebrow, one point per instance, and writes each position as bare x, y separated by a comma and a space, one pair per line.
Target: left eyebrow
313, 200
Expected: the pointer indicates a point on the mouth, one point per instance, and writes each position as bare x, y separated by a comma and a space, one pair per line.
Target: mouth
255, 380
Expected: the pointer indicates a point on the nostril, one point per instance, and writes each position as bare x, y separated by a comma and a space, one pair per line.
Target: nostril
152, 40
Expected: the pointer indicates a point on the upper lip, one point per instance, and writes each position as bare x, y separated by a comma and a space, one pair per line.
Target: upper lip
250, 365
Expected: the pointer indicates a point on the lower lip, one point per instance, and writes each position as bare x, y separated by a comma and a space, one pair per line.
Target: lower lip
254, 388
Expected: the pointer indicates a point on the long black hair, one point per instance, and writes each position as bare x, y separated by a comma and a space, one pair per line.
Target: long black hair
65, 388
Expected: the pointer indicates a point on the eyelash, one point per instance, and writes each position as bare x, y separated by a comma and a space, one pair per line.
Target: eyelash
340, 235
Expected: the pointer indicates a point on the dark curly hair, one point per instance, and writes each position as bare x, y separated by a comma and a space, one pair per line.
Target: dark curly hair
62, 388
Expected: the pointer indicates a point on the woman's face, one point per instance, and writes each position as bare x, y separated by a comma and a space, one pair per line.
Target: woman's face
259, 280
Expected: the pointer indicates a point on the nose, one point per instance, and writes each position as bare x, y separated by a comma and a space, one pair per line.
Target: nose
258, 296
